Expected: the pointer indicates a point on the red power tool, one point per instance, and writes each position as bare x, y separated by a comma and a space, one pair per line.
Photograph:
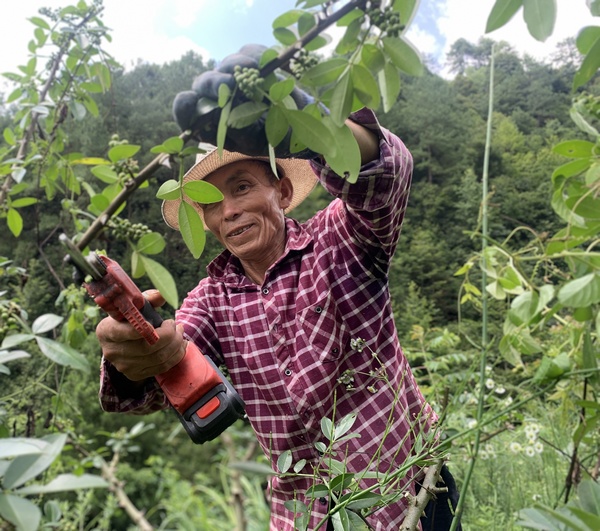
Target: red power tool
204, 400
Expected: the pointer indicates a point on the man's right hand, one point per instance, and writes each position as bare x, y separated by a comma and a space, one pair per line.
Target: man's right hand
131, 355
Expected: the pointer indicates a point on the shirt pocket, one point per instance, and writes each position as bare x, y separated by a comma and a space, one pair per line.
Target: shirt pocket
323, 329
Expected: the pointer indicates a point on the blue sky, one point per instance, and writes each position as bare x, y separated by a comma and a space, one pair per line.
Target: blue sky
162, 30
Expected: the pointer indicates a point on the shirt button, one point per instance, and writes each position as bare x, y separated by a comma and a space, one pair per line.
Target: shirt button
288, 372
265, 291
323, 501
335, 350
318, 309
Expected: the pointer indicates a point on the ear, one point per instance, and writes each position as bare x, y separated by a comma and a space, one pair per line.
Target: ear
286, 190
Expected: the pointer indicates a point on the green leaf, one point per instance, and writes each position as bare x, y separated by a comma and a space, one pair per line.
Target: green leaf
581, 292
39, 22
589, 496
325, 72
9, 136
365, 87
222, 127
389, 84
173, 144
62, 354
589, 66
372, 57
89, 161
363, 500
570, 169
289, 18
340, 105
276, 125
540, 16
5, 356
16, 446
327, 428
246, 114
341, 482
202, 192
310, 131
78, 110
192, 229
403, 55
592, 176
14, 222
105, 173
340, 520
284, 36
574, 148
318, 42
317, 491
20, 512
123, 151
26, 467
252, 467
281, 89
284, 461
306, 22
152, 243
349, 41
161, 278
45, 323
67, 482
586, 39
137, 267
23, 202
346, 161
16, 339
344, 425
501, 13
169, 190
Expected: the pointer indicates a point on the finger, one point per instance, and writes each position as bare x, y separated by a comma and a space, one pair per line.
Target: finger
154, 297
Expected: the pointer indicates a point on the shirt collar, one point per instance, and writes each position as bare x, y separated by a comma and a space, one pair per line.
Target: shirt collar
227, 268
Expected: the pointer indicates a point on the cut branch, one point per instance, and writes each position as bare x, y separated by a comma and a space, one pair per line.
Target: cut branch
429, 490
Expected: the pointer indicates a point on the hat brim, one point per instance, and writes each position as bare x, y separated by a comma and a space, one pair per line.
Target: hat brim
298, 171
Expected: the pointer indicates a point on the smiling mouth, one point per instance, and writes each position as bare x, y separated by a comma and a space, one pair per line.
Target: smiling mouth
239, 231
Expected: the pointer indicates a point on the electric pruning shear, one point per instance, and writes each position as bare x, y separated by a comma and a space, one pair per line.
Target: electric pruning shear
204, 400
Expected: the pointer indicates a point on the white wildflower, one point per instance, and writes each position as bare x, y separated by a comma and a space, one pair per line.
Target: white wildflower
529, 451
538, 447
515, 447
490, 384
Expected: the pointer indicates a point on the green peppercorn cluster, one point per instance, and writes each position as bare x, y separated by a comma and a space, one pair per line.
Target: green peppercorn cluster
123, 229
125, 169
9, 314
248, 81
386, 19
302, 61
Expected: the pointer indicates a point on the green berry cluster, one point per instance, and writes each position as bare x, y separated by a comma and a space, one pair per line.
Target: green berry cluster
125, 169
302, 61
9, 313
123, 229
248, 81
387, 20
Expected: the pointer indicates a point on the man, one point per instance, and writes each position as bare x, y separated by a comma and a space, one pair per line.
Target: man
299, 313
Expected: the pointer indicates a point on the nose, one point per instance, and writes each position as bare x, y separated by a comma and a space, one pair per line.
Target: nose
229, 208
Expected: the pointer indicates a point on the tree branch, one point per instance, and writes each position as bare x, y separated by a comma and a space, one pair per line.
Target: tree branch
100, 222
429, 490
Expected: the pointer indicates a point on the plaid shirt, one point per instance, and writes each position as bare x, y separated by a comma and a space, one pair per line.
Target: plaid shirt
288, 343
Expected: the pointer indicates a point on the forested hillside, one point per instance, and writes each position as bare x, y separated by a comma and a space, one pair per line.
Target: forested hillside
526, 454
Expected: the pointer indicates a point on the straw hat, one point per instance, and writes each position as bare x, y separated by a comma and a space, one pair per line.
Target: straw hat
298, 171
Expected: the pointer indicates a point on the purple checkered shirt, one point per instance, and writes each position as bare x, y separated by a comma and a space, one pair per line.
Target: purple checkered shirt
287, 342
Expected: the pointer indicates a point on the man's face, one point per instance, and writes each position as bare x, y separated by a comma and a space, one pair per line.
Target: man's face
249, 221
